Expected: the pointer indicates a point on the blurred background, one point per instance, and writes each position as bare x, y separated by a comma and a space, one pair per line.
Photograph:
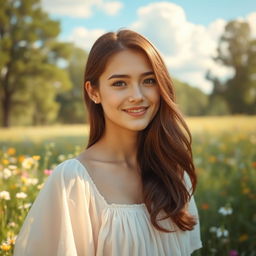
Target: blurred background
209, 48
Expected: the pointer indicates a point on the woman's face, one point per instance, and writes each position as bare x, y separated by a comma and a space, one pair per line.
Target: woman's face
128, 91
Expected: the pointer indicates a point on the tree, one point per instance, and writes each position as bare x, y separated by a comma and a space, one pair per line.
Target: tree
236, 49
72, 106
192, 101
28, 56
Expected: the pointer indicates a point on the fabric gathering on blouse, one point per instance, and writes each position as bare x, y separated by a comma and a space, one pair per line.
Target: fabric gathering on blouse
71, 218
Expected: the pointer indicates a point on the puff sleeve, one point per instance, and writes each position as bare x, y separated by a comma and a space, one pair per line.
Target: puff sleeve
58, 224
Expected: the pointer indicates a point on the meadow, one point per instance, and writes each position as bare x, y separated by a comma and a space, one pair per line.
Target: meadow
224, 151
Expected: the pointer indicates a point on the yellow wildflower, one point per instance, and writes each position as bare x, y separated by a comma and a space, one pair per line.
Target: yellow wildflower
243, 238
24, 179
11, 151
212, 159
246, 191
36, 157
5, 161
24, 189
13, 186
5, 247
21, 158
12, 240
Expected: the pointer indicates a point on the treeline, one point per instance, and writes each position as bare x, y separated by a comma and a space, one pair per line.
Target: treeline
41, 78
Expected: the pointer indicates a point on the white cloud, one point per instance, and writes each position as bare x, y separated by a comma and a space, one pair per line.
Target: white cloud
85, 38
111, 8
81, 8
187, 48
251, 19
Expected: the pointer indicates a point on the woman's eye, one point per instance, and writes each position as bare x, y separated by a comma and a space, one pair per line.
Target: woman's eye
150, 81
119, 84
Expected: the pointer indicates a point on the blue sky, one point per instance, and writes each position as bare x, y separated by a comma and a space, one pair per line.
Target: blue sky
186, 32
197, 11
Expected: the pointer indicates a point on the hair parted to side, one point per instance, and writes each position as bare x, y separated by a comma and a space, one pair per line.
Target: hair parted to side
164, 147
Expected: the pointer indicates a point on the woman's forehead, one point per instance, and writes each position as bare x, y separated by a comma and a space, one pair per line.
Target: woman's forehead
128, 61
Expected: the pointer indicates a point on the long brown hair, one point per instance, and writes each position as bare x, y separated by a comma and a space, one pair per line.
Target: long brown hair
164, 147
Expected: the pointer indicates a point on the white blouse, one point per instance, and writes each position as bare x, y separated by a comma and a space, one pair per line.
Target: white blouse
71, 218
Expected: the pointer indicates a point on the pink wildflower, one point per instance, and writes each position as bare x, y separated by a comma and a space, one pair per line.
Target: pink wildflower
48, 172
233, 253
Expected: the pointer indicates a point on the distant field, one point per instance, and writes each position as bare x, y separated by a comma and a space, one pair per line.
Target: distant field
222, 124
32, 140
196, 124
40, 133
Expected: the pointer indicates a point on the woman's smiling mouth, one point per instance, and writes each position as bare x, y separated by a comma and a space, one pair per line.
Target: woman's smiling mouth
136, 111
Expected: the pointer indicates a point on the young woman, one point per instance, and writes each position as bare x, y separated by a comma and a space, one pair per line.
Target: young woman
130, 192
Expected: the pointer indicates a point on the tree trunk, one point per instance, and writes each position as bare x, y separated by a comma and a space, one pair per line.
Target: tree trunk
6, 100
6, 111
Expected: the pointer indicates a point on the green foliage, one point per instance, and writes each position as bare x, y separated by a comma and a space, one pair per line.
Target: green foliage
30, 77
218, 106
237, 50
192, 101
72, 106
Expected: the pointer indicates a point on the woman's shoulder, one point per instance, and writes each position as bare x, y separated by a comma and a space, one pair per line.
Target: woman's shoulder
69, 170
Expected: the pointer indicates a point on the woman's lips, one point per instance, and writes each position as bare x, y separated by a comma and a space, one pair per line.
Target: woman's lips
136, 111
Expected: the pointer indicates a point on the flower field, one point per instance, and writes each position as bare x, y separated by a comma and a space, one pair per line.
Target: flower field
225, 158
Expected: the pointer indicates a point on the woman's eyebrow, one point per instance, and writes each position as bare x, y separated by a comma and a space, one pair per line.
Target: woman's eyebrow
118, 76
128, 76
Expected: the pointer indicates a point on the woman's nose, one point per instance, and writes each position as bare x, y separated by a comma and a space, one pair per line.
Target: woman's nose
136, 94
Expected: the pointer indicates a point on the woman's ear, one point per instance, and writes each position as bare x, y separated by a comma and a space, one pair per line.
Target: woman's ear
92, 92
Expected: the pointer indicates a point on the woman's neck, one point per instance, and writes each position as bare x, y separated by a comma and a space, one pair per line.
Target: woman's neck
120, 145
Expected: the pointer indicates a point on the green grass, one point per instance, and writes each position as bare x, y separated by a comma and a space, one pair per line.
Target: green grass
225, 159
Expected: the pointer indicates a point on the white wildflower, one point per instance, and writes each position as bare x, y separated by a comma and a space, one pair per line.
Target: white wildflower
31, 181
6, 173
12, 166
40, 186
5, 195
221, 232
25, 206
21, 195
225, 210
12, 224
28, 163
61, 157
213, 229
11, 240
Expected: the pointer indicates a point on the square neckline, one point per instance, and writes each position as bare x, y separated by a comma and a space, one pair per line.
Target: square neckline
109, 205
